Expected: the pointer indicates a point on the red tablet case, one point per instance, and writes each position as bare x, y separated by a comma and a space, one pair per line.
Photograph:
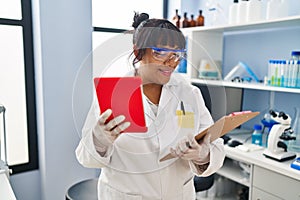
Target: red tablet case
123, 95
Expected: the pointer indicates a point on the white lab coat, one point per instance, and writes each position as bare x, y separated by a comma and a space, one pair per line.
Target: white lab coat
131, 169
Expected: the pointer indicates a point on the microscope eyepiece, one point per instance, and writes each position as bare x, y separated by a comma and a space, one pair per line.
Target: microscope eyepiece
273, 113
283, 115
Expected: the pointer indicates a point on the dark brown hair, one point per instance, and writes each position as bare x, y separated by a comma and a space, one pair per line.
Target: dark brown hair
154, 33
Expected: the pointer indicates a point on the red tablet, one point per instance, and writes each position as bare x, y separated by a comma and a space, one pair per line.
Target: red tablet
123, 95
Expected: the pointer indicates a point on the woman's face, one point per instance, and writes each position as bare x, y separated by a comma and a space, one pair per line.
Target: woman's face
157, 68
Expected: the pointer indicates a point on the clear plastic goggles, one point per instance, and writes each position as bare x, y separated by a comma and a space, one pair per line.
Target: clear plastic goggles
164, 54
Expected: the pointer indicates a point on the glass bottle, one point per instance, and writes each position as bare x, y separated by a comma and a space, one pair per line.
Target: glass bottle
295, 65
242, 11
254, 10
233, 12
175, 18
295, 55
273, 9
192, 22
178, 22
182, 66
200, 19
257, 135
185, 21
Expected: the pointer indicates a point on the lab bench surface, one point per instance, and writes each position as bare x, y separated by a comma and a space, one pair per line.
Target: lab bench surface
267, 178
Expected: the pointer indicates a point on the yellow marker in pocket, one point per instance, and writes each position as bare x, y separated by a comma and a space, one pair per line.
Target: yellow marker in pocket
185, 118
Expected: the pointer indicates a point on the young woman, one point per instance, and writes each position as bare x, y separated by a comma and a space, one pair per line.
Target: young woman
174, 111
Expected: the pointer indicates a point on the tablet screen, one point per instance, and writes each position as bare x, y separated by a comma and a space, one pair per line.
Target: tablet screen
123, 95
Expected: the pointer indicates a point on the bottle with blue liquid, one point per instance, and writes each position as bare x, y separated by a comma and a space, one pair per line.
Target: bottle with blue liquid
182, 67
257, 135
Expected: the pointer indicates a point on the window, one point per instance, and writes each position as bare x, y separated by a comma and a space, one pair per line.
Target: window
119, 14
10, 9
17, 88
108, 25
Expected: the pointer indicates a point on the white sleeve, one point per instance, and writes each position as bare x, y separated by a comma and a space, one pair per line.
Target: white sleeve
86, 152
217, 156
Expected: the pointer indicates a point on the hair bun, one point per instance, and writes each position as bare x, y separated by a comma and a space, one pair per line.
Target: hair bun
139, 18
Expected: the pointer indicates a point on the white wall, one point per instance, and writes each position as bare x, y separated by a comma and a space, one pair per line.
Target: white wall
63, 40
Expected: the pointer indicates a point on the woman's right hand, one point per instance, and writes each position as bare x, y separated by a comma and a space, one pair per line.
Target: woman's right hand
106, 133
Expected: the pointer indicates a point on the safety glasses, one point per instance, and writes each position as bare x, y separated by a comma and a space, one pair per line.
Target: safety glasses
164, 54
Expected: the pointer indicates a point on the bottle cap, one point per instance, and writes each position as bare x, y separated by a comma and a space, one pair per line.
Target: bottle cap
257, 127
295, 53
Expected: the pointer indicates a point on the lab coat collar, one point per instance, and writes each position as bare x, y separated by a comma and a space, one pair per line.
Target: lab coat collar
168, 90
165, 98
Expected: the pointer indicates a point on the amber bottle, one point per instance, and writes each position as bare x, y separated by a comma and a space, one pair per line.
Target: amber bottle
200, 19
175, 18
192, 22
178, 22
185, 21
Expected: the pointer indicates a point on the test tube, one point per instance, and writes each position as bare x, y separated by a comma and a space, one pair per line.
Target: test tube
294, 73
289, 65
298, 74
286, 73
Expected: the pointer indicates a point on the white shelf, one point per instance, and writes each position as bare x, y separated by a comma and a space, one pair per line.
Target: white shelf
254, 86
263, 24
233, 172
208, 43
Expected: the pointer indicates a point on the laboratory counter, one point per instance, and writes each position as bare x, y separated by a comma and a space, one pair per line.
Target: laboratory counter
267, 178
256, 157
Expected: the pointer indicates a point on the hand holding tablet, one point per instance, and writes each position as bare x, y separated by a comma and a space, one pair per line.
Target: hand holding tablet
123, 95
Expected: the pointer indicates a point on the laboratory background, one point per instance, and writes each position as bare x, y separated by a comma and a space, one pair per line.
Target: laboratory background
243, 55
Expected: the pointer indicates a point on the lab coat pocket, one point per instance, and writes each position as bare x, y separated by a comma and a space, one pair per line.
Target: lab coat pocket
108, 193
185, 116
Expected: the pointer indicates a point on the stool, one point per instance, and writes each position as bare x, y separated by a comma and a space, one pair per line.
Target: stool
83, 190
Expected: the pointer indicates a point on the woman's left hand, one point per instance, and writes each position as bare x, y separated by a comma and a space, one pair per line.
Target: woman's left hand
189, 149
